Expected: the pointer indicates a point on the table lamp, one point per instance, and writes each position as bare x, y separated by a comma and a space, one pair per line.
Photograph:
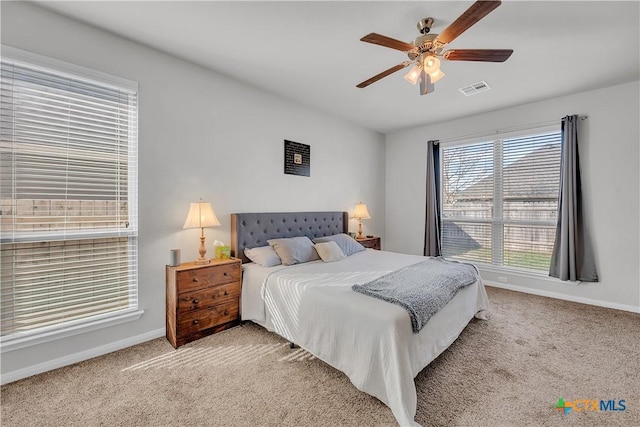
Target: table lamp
361, 212
201, 215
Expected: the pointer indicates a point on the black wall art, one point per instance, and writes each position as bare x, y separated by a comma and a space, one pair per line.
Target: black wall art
297, 158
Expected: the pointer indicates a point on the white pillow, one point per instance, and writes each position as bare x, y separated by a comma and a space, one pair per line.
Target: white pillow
263, 255
347, 243
329, 251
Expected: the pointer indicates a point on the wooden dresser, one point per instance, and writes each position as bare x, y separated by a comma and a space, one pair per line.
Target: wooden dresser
202, 299
370, 242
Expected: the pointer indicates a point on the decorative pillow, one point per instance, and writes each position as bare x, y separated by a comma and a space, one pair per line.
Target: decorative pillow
294, 250
329, 251
263, 255
348, 244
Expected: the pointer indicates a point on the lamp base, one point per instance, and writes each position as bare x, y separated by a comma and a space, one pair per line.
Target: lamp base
203, 250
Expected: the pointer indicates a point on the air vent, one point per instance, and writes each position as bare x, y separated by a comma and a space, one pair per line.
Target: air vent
475, 88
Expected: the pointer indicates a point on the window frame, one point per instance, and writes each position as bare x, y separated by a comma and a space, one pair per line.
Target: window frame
18, 340
497, 233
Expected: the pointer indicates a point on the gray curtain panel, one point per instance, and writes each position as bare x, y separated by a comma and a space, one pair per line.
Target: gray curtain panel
572, 257
432, 242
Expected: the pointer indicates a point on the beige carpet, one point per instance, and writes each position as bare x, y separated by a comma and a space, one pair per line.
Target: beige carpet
508, 371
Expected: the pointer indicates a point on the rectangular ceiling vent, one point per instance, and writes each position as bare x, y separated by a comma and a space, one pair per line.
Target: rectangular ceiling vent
475, 88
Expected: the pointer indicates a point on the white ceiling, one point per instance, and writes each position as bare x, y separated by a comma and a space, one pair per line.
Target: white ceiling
310, 52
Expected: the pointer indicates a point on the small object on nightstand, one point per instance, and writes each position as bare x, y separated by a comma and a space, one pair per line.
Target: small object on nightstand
174, 257
223, 252
369, 236
370, 242
202, 299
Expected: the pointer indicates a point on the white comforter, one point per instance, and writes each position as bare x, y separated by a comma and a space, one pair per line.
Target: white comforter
370, 340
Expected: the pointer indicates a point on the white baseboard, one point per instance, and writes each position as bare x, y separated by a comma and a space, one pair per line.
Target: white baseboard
80, 356
561, 296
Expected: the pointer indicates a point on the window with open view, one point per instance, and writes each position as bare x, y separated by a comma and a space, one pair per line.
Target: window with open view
500, 200
68, 196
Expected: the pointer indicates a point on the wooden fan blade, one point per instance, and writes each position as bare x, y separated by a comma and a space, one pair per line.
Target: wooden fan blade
385, 41
476, 12
382, 74
484, 55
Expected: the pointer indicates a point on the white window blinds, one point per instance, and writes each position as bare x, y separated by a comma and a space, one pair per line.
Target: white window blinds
499, 200
68, 197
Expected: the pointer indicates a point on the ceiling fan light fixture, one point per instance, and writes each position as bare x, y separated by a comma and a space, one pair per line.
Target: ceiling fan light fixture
436, 76
425, 49
414, 74
431, 64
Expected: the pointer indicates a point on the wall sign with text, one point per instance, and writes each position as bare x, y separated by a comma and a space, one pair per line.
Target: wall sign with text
297, 158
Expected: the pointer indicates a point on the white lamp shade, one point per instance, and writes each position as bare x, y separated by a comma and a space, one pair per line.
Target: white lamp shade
437, 75
413, 74
431, 64
201, 215
361, 212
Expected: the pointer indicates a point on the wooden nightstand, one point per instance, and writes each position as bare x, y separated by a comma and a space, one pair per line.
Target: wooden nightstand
370, 242
202, 299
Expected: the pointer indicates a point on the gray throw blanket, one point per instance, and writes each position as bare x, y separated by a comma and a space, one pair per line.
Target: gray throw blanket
422, 288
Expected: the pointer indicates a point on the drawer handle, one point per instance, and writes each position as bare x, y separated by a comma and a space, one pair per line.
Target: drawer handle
195, 322
195, 301
226, 312
226, 274
195, 279
226, 293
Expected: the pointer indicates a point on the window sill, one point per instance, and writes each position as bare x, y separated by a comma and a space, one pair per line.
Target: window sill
52, 335
524, 274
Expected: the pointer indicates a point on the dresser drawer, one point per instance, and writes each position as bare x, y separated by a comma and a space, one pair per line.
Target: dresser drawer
203, 319
207, 298
209, 276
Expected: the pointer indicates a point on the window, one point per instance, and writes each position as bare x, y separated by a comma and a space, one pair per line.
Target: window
68, 195
500, 200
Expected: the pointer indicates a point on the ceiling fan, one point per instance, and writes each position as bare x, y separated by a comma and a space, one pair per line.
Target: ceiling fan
425, 50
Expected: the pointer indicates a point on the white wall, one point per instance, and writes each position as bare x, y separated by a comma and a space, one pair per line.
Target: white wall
200, 135
610, 162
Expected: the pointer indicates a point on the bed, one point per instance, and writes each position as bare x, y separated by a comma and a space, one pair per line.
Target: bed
314, 306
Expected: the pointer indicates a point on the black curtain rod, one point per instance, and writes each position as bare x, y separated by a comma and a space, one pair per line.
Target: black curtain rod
499, 131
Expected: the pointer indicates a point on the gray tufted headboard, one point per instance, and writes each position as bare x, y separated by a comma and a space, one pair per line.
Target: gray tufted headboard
249, 230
